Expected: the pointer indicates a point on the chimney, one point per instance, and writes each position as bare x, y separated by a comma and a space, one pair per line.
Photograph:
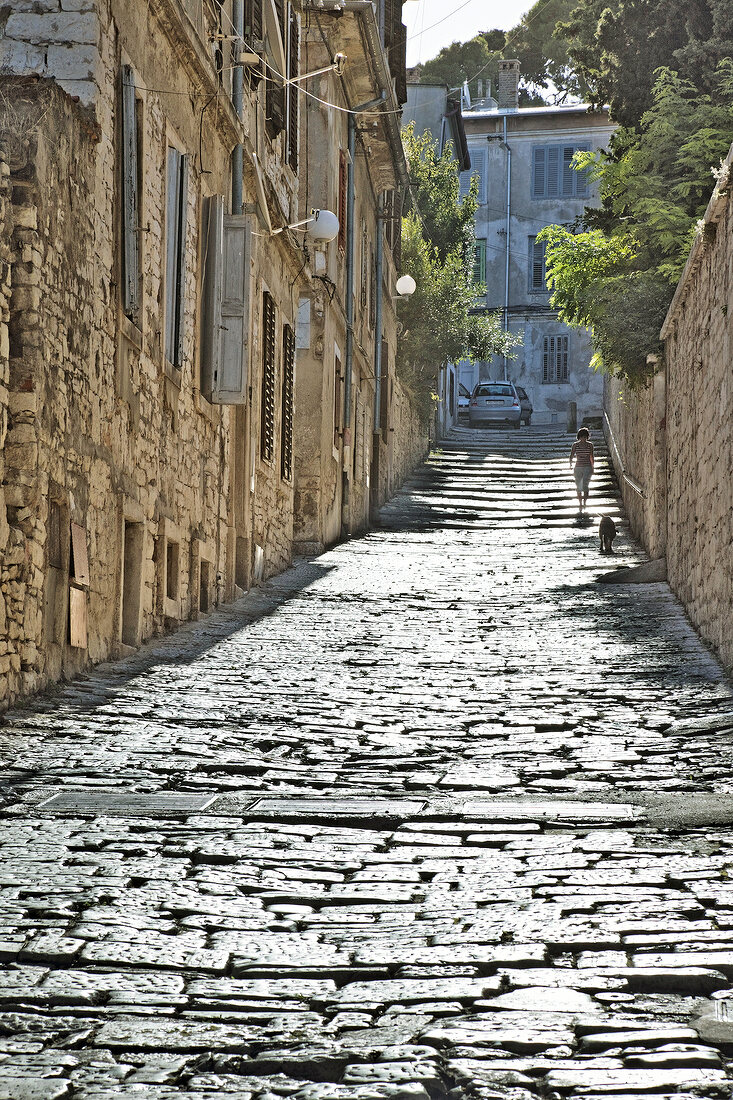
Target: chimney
507, 95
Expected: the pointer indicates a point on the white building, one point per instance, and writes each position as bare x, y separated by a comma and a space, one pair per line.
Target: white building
522, 157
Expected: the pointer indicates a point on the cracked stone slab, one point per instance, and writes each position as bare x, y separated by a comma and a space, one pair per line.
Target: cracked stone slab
552, 811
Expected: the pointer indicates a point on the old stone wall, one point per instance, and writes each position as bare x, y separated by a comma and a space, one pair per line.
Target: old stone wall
634, 428
675, 437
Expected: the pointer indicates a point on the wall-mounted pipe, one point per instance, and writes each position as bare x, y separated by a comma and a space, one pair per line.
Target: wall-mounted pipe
238, 104
378, 274
508, 228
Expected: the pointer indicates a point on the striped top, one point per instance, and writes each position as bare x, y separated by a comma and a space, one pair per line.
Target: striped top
582, 452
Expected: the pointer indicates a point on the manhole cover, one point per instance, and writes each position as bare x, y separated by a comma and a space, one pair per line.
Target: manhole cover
112, 802
349, 807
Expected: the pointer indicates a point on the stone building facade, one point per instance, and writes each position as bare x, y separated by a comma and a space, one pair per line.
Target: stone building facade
521, 157
672, 442
148, 383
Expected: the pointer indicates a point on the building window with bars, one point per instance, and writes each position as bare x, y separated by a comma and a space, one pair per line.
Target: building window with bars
536, 266
175, 253
286, 418
555, 359
267, 395
553, 175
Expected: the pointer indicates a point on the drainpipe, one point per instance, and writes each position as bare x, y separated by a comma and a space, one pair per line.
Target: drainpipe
238, 104
507, 234
348, 366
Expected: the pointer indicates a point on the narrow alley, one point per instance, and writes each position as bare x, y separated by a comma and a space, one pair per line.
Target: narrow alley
433, 815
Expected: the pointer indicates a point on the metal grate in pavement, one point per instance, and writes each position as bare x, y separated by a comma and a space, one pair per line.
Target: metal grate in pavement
114, 802
350, 807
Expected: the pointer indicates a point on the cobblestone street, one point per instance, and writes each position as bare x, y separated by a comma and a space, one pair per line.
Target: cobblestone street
435, 815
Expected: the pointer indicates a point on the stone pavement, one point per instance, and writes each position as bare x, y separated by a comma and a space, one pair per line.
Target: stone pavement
432, 816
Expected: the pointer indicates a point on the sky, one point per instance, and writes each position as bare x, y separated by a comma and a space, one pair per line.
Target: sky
457, 21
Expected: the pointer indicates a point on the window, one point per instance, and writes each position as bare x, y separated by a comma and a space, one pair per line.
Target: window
132, 161
555, 359
364, 291
553, 175
536, 267
275, 95
479, 264
479, 165
372, 287
337, 401
175, 254
286, 421
293, 102
267, 398
172, 557
343, 183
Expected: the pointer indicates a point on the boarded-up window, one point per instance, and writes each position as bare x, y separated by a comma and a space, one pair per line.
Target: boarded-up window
175, 253
267, 397
131, 168
555, 359
343, 183
286, 421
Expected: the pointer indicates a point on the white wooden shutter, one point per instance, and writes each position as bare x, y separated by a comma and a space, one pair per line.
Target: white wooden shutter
131, 273
231, 360
212, 249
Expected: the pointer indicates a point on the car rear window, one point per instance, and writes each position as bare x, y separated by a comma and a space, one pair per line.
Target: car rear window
494, 391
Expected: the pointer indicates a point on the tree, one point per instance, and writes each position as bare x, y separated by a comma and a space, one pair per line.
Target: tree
472, 61
543, 56
437, 250
619, 275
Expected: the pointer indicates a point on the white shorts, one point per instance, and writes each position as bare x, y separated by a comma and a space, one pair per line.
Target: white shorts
582, 478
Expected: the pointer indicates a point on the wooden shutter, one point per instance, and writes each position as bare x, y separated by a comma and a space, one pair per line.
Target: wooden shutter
267, 397
173, 194
546, 357
553, 171
479, 263
230, 373
253, 19
275, 93
293, 92
343, 184
212, 231
286, 422
568, 172
563, 358
130, 211
372, 287
536, 265
539, 171
581, 178
181, 258
364, 265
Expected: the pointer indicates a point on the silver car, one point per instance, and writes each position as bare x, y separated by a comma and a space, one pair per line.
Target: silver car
493, 402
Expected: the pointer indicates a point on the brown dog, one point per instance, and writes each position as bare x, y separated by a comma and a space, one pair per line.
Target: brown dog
606, 533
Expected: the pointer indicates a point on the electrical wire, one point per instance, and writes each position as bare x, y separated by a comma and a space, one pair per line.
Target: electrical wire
443, 20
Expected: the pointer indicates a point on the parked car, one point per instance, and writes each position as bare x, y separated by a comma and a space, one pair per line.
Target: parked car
464, 396
525, 403
493, 402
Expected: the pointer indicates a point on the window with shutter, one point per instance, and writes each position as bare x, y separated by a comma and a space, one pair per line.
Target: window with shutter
175, 254
132, 160
225, 320
372, 287
479, 264
553, 175
363, 290
286, 421
338, 401
536, 280
343, 178
293, 91
267, 396
555, 367
275, 96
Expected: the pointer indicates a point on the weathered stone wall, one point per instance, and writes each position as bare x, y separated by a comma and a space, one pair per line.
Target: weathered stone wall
634, 427
698, 349
676, 436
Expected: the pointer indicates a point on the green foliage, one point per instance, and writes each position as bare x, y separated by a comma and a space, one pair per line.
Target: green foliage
619, 275
437, 250
543, 56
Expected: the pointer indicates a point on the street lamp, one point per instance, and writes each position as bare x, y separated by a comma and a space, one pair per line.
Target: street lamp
322, 226
405, 287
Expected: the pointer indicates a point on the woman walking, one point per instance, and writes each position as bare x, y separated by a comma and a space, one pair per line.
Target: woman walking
582, 454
